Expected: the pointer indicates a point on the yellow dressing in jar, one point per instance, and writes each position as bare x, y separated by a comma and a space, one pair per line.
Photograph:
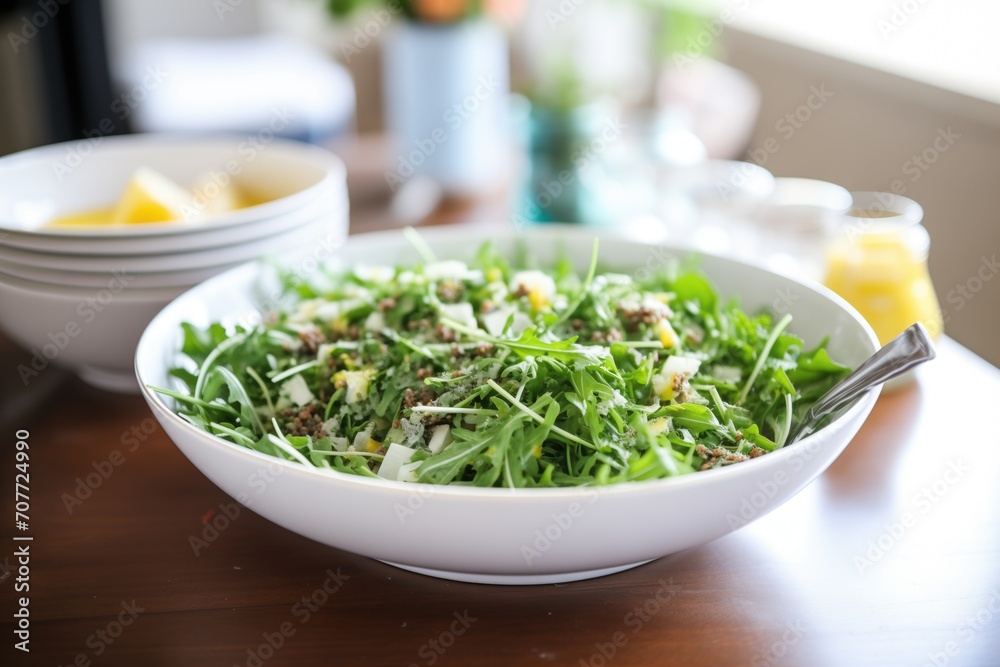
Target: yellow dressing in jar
878, 263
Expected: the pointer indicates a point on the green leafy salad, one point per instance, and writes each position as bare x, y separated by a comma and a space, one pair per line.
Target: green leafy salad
501, 373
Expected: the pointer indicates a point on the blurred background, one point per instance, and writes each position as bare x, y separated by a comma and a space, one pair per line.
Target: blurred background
736, 127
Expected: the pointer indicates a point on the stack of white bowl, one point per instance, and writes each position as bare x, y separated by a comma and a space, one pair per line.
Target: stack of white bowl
81, 297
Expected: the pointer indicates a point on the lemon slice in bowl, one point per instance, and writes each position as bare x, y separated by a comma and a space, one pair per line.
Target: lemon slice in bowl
152, 197
215, 197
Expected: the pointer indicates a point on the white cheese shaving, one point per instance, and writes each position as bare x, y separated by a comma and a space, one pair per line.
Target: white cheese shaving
375, 273
360, 443
305, 311
395, 457
495, 320
440, 437
375, 321
332, 310
297, 391
408, 472
451, 268
460, 312
730, 374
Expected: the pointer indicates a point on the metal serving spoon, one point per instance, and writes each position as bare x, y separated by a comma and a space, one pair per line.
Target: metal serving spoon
910, 348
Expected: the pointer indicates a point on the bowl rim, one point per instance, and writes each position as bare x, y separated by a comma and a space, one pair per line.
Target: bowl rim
860, 407
331, 203
182, 261
335, 178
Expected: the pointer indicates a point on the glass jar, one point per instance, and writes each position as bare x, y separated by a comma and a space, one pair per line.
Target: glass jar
878, 262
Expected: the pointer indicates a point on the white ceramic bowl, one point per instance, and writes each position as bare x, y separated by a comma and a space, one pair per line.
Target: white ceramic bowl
39, 184
500, 535
91, 330
330, 221
152, 280
49, 278
110, 316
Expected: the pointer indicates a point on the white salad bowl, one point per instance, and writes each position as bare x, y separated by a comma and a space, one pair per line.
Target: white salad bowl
521, 536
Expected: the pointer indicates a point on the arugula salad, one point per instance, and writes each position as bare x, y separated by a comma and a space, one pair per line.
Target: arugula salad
503, 373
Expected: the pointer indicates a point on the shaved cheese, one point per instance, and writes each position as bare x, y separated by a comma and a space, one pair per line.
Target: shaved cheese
331, 310
395, 457
730, 374
297, 391
375, 321
453, 269
495, 320
408, 472
440, 437
362, 438
460, 312
375, 274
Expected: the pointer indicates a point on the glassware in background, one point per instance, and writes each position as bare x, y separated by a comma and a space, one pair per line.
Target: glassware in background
649, 199
667, 139
593, 165
877, 261
794, 226
563, 182
579, 74
723, 102
727, 194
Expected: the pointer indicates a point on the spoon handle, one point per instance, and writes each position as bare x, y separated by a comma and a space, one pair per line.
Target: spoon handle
910, 348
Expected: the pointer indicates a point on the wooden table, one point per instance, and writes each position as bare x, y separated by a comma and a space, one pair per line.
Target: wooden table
891, 558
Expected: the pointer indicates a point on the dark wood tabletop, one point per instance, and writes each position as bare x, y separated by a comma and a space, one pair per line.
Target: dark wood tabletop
892, 557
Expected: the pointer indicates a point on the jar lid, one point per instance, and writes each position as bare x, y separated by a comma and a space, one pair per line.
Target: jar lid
885, 208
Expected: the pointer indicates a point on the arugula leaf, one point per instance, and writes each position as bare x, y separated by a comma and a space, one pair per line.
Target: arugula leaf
563, 350
691, 287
